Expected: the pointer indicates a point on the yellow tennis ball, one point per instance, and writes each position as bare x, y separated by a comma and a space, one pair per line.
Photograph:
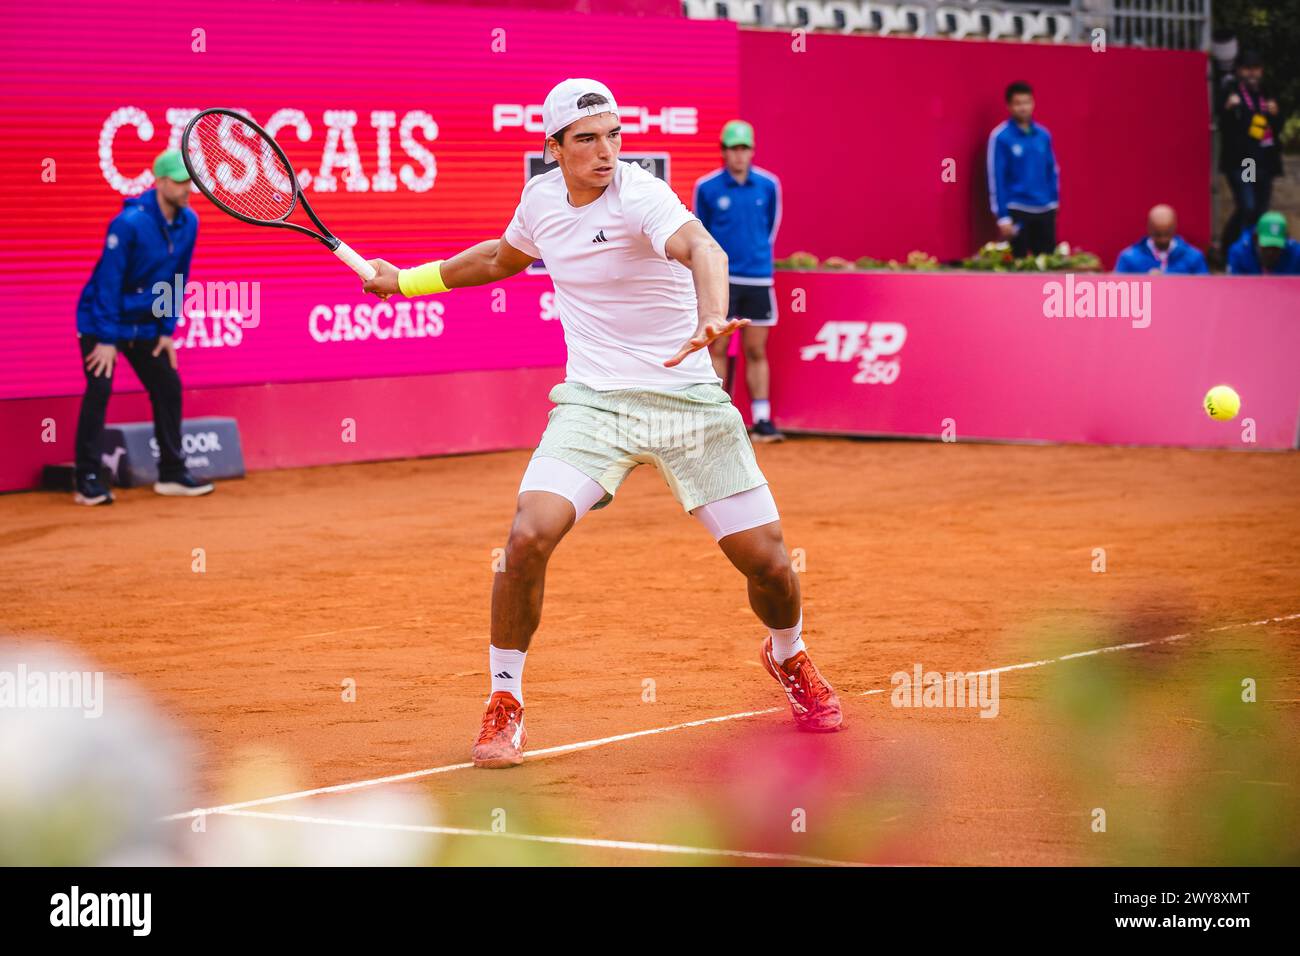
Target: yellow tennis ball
1222, 403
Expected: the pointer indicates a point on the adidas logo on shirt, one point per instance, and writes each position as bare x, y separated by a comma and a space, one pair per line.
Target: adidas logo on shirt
600, 237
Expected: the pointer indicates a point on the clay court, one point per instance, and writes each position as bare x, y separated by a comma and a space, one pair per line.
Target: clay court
958, 557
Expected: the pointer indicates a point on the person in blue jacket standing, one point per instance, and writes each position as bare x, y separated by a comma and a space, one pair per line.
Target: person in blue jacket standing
150, 241
1024, 178
740, 206
1163, 250
1265, 249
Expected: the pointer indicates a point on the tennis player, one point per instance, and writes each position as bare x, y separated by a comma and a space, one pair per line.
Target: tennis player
641, 289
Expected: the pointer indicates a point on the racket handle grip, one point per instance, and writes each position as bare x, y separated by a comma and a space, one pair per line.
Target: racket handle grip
354, 260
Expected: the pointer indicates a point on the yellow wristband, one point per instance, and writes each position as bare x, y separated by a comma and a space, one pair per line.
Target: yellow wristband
422, 280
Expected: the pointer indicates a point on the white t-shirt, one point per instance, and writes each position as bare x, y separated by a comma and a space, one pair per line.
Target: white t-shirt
625, 306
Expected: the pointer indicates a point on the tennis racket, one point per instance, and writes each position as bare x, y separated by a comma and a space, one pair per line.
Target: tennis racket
245, 173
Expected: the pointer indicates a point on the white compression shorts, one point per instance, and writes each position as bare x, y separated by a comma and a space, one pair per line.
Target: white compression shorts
561, 478
738, 512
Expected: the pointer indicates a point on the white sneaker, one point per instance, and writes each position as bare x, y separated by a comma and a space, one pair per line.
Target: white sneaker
186, 486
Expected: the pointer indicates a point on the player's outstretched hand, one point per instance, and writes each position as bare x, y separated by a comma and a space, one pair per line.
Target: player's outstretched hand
709, 332
384, 283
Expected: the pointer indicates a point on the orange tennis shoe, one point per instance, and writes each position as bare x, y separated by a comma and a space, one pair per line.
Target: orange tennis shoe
501, 741
812, 700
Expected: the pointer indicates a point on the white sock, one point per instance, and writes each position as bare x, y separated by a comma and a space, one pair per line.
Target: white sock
507, 671
787, 641
761, 410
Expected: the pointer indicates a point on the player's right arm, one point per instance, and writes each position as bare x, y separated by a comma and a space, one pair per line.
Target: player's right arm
489, 261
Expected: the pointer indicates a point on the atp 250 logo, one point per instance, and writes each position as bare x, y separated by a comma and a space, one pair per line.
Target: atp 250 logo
873, 345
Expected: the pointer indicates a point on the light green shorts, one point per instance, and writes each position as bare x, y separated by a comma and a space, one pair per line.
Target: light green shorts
694, 436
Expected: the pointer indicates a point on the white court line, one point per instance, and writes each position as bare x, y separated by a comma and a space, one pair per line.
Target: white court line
618, 738
415, 774
535, 838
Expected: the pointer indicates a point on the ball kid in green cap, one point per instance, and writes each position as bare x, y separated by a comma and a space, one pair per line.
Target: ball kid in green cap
1267, 249
737, 133
171, 182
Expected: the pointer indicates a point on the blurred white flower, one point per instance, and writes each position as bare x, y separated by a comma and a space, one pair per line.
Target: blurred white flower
78, 790
363, 831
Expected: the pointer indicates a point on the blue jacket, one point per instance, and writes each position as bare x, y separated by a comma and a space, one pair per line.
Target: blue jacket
141, 249
743, 219
1023, 173
1184, 258
1243, 260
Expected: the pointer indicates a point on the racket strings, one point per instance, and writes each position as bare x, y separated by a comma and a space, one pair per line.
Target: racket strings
239, 168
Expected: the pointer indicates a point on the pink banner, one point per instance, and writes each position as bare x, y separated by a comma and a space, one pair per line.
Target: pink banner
413, 127
880, 142
1095, 358
296, 424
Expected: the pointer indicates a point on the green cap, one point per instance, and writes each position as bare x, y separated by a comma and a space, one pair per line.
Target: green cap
738, 133
170, 165
1271, 230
